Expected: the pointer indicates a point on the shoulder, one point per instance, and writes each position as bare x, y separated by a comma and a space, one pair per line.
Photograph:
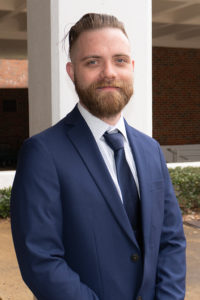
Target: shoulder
49, 136
44, 144
57, 132
136, 135
144, 145
50, 132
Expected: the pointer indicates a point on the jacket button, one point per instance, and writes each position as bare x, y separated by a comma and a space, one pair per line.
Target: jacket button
135, 257
139, 298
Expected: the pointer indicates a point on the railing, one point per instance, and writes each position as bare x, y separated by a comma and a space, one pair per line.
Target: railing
176, 156
182, 153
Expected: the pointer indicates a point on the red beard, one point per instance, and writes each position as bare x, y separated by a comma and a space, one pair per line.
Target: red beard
105, 103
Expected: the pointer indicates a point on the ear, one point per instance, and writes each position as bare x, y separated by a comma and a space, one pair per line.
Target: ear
133, 64
70, 70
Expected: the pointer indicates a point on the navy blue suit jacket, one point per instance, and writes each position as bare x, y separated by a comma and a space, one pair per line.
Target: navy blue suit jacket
72, 236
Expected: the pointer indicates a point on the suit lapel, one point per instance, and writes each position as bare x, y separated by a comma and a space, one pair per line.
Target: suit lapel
81, 137
143, 173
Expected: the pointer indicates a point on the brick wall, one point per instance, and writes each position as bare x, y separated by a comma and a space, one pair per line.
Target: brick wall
176, 96
13, 73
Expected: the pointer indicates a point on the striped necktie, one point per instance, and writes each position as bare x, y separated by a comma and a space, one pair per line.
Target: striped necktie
126, 181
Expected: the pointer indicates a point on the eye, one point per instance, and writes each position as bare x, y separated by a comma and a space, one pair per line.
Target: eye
92, 62
120, 60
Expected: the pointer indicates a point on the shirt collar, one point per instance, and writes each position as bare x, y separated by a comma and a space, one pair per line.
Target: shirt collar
99, 127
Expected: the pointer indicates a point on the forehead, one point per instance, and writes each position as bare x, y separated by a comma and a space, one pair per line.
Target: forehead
110, 41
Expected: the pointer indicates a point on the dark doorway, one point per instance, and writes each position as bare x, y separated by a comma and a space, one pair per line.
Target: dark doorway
14, 125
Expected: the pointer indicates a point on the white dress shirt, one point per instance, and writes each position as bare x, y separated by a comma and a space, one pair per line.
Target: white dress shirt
98, 128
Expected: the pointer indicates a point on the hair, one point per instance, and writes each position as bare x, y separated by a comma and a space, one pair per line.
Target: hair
92, 21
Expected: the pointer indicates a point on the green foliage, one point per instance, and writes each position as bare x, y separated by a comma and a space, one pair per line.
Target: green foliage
5, 202
186, 183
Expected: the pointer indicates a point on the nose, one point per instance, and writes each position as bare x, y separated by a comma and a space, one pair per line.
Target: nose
108, 71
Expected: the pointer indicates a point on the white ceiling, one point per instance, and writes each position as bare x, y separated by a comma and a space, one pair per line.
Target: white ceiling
13, 29
176, 23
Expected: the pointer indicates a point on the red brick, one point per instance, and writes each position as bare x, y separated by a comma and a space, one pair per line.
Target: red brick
13, 73
176, 96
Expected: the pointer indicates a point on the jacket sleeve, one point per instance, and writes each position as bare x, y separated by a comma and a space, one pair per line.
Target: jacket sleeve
171, 267
36, 220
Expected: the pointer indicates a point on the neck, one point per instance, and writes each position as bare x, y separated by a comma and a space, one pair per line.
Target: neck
112, 120
109, 120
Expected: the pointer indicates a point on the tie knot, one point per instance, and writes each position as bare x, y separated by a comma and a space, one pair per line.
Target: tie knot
114, 140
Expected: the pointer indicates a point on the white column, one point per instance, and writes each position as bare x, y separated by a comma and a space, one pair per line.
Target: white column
51, 91
43, 56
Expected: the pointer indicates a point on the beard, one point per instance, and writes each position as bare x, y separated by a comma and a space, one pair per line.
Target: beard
108, 103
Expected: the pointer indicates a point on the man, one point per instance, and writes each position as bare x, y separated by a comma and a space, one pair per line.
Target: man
91, 220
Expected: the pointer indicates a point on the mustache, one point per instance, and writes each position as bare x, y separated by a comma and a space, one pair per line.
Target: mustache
106, 83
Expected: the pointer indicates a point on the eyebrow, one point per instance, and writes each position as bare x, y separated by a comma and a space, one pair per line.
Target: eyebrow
98, 56
90, 56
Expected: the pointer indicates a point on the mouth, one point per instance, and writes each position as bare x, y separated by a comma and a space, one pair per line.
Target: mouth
107, 88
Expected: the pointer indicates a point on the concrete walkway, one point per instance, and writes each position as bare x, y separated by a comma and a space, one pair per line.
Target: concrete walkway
193, 263
13, 288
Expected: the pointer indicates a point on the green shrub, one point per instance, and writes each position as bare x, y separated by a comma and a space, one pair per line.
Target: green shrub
5, 202
186, 183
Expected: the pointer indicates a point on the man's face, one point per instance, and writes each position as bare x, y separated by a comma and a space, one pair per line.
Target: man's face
102, 71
